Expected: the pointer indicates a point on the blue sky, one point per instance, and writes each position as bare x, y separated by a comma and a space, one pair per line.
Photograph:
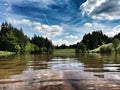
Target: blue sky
62, 21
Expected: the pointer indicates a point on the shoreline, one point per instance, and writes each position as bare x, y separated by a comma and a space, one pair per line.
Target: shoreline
6, 53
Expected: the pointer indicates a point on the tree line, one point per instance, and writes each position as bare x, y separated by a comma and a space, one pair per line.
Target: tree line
97, 39
14, 40
90, 40
94, 40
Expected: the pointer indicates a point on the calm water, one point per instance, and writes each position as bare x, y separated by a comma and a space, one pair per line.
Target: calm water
49, 72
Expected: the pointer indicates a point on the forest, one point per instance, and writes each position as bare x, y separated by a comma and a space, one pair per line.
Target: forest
14, 40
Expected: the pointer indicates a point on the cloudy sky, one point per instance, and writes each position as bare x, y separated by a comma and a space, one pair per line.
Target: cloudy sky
62, 21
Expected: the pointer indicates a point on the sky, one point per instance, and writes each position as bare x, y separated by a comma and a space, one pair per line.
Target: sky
62, 21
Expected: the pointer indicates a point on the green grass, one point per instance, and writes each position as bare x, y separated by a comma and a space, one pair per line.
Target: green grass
4, 53
71, 52
64, 52
97, 50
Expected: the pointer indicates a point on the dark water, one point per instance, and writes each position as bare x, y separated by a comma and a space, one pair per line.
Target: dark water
49, 72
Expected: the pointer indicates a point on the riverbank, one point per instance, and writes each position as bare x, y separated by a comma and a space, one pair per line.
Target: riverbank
64, 52
4, 53
106, 48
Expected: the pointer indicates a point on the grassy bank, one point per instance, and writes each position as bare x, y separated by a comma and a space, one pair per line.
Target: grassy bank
64, 52
98, 50
4, 53
106, 48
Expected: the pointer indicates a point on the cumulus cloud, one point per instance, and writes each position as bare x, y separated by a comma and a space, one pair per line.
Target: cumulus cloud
102, 9
46, 30
50, 31
114, 31
71, 37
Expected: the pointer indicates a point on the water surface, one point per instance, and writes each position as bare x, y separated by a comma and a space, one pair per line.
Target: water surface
49, 72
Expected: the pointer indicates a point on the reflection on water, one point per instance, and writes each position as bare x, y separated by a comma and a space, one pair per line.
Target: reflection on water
49, 72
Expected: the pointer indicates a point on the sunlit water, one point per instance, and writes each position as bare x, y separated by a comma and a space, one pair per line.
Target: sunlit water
49, 72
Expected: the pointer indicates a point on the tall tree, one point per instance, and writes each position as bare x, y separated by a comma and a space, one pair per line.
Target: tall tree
94, 39
12, 39
44, 44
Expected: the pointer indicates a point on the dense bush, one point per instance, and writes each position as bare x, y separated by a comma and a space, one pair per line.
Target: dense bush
81, 48
106, 49
116, 43
118, 50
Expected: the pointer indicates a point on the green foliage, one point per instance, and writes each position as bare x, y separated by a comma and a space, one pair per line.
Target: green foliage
43, 45
81, 48
13, 39
115, 44
28, 47
118, 50
106, 49
17, 48
35, 48
63, 46
117, 36
95, 39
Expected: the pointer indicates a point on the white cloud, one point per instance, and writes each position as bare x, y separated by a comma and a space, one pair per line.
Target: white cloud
90, 5
60, 42
102, 9
50, 31
108, 30
64, 41
71, 37
87, 25
93, 26
46, 30
18, 22
7, 6
114, 31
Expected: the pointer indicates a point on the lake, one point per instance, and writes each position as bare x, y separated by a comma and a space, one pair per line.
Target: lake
50, 72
